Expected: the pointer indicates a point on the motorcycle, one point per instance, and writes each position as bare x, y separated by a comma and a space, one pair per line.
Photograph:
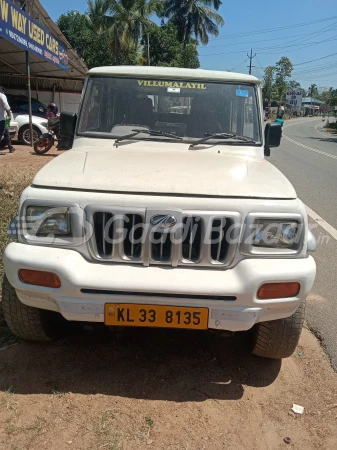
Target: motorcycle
47, 140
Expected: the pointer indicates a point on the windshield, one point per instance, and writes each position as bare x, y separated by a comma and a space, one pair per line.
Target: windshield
114, 107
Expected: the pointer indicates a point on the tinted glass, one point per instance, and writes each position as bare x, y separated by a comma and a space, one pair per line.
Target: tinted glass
186, 108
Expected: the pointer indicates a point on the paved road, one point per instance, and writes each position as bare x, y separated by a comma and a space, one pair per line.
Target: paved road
308, 157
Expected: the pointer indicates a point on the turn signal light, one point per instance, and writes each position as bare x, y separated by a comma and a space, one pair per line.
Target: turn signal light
39, 278
278, 290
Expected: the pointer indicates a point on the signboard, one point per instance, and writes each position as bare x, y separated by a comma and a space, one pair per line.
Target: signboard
18, 27
294, 99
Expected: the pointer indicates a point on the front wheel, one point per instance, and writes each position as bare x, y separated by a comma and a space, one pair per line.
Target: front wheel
28, 323
278, 339
24, 134
44, 144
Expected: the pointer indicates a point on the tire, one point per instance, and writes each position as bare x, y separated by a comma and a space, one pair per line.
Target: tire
28, 323
278, 339
44, 144
24, 134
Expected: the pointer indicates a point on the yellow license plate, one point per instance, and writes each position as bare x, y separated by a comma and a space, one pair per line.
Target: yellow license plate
125, 314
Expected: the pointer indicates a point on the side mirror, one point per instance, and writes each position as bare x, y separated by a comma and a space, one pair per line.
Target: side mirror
272, 136
67, 128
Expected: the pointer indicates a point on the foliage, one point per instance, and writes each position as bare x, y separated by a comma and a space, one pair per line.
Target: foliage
268, 84
95, 47
122, 20
166, 50
283, 70
312, 91
194, 18
293, 84
276, 80
88, 45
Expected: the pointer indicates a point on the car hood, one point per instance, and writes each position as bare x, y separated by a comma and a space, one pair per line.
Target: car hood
180, 171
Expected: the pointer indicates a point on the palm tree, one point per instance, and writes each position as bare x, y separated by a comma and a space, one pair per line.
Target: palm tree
312, 90
194, 18
122, 22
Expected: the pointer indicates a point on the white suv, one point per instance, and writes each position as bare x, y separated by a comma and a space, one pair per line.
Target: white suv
162, 216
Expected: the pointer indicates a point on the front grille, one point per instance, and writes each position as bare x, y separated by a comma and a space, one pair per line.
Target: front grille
199, 238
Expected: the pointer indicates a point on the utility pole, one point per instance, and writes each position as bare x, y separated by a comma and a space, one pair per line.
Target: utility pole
148, 49
251, 56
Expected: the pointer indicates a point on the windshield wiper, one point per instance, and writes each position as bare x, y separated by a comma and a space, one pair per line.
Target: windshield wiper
209, 136
147, 131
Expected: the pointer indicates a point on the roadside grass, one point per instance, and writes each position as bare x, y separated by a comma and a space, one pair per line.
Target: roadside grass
10, 191
106, 432
331, 126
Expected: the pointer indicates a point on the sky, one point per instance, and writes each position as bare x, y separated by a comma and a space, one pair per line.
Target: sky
302, 30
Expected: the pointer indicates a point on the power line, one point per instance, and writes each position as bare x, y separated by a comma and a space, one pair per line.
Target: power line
231, 70
273, 30
311, 34
313, 60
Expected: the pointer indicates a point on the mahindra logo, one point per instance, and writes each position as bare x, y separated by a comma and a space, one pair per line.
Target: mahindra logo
163, 220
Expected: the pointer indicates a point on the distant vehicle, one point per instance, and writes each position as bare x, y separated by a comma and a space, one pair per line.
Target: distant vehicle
19, 107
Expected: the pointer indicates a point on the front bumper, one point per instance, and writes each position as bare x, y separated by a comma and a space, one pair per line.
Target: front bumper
161, 283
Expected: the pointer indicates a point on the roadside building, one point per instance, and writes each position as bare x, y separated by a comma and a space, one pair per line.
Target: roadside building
56, 71
312, 106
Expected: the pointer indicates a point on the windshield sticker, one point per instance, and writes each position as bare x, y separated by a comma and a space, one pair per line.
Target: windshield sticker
242, 93
173, 90
172, 84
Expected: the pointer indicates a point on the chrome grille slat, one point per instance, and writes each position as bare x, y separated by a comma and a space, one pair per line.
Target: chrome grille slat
220, 241
131, 247
103, 232
132, 237
190, 241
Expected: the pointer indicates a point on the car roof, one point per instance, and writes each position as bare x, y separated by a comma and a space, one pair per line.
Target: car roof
174, 72
23, 97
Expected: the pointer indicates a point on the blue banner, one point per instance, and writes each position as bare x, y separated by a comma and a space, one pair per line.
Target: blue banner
18, 27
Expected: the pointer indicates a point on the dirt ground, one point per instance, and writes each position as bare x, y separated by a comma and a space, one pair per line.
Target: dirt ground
24, 160
169, 390
160, 389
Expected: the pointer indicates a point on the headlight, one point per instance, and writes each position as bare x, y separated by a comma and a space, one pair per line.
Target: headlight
272, 233
46, 220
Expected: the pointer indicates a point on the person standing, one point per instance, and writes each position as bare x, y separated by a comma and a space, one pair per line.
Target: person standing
6, 141
4, 107
279, 120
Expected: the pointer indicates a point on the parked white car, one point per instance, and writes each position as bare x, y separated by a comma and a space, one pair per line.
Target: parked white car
23, 133
161, 219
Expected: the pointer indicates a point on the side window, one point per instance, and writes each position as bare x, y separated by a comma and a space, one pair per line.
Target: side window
13, 104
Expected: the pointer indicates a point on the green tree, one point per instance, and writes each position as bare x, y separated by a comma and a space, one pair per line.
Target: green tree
87, 44
166, 50
268, 89
293, 84
284, 68
122, 22
92, 46
312, 91
194, 18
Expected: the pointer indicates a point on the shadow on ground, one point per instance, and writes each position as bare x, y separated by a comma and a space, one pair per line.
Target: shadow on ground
321, 139
153, 364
